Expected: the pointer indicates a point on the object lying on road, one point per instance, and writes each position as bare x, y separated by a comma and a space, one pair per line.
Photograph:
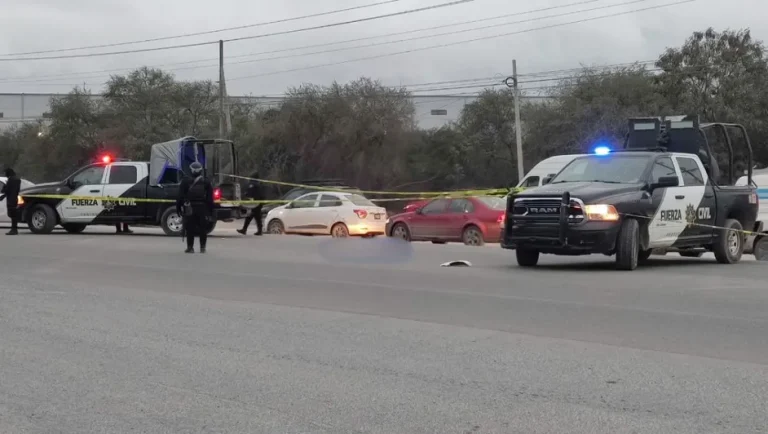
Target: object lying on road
461, 263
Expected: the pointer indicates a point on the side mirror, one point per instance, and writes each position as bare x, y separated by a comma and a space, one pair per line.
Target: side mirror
419, 210
546, 180
665, 181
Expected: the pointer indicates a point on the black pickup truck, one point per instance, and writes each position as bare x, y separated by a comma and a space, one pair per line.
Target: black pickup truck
654, 194
133, 192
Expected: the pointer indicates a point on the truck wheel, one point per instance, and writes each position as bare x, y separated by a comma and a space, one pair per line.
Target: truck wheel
627, 245
729, 245
691, 254
171, 222
760, 249
42, 219
211, 227
73, 228
527, 258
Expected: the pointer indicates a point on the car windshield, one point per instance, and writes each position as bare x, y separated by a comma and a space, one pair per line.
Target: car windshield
615, 169
360, 200
493, 202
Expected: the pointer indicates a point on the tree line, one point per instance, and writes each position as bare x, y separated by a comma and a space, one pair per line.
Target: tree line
365, 133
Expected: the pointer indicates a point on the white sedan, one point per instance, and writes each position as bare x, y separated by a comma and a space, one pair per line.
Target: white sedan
3, 210
328, 213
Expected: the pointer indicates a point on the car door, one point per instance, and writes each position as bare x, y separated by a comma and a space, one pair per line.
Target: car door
426, 224
666, 205
298, 217
699, 214
123, 184
327, 212
87, 187
458, 215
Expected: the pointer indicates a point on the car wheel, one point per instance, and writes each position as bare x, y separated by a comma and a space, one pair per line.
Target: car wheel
760, 248
339, 230
472, 236
526, 257
627, 245
275, 227
730, 243
401, 231
171, 222
691, 254
42, 219
74, 228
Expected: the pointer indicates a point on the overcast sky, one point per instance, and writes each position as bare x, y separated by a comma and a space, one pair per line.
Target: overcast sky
37, 25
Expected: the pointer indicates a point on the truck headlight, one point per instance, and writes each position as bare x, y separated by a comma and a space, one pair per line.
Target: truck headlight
600, 212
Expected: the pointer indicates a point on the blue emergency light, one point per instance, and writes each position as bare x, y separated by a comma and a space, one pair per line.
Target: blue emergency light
602, 150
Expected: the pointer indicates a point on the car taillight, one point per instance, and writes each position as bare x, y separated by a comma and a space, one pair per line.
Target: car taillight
216, 194
361, 213
20, 201
502, 218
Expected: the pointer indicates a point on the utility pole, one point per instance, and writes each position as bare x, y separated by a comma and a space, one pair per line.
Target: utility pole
512, 82
221, 89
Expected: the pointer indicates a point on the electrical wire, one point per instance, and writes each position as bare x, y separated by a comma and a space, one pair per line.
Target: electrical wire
264, 35
71, 75
466, 41
397, 41
208, 32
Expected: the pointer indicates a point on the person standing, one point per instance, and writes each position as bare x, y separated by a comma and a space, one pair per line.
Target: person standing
123, 229
195, 205
254, 193
10, 193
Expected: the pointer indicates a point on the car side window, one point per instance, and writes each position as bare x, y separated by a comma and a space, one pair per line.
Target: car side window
89, 176
123, 175
291, 195
690, 170
461, 206
531, 181
307, 201
327, 201
435, 207
662, 167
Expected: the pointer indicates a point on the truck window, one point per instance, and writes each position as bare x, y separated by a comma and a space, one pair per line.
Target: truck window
662, 167
89, 176
123, 175
690, 170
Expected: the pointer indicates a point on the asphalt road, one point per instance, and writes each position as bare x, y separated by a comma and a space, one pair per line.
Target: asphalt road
103, 333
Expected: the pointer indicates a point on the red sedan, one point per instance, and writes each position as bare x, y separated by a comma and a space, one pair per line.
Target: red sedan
472, 220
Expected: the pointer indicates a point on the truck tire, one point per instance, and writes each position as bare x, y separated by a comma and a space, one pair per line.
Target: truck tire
42, 219
729, 245
211, 227
527, 258
170, 221
74, 228
628, 245
760, 249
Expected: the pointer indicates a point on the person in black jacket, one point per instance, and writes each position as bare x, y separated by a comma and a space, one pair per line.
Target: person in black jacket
195, 205
10, 193
254, 193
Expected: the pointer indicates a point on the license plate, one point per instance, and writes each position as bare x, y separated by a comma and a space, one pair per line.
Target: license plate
377, 216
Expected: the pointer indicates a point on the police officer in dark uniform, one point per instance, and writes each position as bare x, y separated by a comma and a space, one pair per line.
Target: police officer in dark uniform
10, 193
254, 193
195, 205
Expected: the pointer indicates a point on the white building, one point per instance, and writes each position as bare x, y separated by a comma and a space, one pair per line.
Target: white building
432, 111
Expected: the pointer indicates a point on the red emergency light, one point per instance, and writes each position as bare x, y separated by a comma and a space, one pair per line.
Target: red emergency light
106, 159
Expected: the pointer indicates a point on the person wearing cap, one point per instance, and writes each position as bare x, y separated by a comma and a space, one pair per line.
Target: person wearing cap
10, 193
195, 205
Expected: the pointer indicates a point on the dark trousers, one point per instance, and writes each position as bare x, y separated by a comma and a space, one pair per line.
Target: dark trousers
196, 225
255, 214
13, 214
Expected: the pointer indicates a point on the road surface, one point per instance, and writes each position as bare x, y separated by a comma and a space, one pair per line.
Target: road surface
103, 333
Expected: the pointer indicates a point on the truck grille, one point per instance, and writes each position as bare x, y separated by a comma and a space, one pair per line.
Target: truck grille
543, 210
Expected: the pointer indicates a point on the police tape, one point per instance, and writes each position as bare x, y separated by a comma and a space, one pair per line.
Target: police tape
425, 194
129, 201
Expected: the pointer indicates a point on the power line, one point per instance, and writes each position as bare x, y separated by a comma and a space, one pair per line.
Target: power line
449, 44
474, 29
69, 75
264, 35
208, 32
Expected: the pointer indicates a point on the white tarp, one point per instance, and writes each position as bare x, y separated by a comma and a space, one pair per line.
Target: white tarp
165, 155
